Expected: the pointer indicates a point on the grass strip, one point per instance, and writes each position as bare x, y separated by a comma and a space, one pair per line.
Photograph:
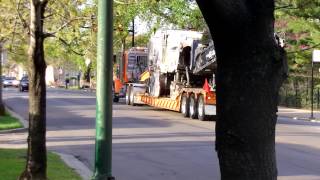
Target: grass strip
9, 122
12, 163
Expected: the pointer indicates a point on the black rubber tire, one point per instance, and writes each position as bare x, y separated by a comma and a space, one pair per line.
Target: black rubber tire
213, 118
128, 93
115, 99
184, 108
201, 111
132, 98
193, 110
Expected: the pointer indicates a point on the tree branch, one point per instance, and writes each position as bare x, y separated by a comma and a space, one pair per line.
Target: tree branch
69, 46
49, 16
24, 22
290, 6
47, 35
69, 22
305, 49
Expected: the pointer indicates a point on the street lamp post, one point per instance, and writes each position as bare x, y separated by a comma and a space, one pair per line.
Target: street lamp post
315, 58
311, 117
132, 31
88, 72
103, 145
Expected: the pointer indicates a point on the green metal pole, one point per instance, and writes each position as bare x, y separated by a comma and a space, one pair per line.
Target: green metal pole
103, 148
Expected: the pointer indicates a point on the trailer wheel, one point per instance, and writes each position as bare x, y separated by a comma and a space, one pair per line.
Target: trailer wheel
201, 111
128, 94
193, 110
132, 98
184, 105
115, 99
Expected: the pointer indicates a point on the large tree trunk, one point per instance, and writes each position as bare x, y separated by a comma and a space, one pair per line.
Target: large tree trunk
2, 110
251, 68
36, 158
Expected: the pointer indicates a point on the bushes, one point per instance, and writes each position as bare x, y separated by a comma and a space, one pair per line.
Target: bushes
296, 92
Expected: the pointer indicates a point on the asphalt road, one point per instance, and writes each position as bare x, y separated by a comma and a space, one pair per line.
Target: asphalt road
155, 144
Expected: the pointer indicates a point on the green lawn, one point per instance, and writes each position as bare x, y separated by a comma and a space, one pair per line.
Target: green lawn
12, 163
9, 122
73, 87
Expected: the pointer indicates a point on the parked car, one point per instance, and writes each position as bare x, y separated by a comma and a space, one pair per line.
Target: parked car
2, 79
24, 84
10, 81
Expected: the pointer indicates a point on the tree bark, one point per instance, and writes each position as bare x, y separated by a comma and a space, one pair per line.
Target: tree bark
251, 68
2, 109
36, 156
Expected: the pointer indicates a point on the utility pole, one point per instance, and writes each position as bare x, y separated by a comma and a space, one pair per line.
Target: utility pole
103, 145
315, 59
2, 110
312, 117
121, 62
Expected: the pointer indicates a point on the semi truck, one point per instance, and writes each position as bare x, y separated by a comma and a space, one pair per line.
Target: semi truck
179, 75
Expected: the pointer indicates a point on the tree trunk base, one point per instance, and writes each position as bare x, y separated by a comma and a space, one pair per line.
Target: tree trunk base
25, 176
2, 110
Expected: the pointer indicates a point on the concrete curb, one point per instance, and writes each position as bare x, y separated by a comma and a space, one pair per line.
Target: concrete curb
85, 90
19, 130
315, 120
20, 118
77, 165
300, 119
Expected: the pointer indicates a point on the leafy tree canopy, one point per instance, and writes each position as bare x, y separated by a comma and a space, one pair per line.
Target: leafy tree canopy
298, 22
71, 26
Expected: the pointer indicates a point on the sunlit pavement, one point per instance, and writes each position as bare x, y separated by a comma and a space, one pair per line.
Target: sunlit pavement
155, 144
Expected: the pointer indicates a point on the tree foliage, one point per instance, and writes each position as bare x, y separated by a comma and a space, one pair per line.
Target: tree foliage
299, 24
72, 26
67, 24
13, 29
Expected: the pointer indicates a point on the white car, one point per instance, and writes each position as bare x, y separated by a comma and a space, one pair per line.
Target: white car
10, 81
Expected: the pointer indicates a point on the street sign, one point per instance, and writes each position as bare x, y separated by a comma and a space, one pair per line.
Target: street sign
87, 61
316, 56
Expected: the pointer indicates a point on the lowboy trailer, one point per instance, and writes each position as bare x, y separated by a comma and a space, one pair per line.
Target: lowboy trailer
180, 76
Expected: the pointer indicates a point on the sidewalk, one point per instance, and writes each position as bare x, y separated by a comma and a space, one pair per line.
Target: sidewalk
10, 137
298, 114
